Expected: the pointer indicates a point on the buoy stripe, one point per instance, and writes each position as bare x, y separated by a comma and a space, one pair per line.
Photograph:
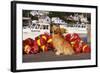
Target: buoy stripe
84, 47
27, 49
43, 48
50, 40
38, 42
44, 37
73, 43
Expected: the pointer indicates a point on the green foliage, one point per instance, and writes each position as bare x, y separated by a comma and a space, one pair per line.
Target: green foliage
26, 13
34, 17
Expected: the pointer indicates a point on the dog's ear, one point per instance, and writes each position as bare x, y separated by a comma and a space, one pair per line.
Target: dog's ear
63, 30
53, 27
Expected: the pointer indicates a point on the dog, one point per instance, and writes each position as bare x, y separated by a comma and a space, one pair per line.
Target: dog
62, 47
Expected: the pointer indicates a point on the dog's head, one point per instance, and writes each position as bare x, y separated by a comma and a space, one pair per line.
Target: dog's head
56, 29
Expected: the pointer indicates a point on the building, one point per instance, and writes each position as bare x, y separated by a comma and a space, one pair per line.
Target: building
57, 20
83, 19
44, 19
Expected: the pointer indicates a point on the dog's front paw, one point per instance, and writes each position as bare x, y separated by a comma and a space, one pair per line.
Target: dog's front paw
57, 53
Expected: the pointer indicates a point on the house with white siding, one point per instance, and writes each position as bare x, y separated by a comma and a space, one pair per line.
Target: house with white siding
44, 19
57, 20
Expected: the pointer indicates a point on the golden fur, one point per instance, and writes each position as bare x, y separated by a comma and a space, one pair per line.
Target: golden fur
60, 44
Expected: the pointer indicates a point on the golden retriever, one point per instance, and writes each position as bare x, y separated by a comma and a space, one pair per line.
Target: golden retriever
61, 46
